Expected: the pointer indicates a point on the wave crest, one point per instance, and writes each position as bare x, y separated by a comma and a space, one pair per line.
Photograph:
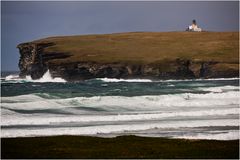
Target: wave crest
169, 80
47, 77
123, 80
127, 103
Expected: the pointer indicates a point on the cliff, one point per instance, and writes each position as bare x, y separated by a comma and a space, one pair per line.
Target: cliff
160, 55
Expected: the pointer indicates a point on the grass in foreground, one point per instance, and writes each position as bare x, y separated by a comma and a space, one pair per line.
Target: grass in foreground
119, 147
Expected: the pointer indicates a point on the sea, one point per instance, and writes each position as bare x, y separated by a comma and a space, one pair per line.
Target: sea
103, 107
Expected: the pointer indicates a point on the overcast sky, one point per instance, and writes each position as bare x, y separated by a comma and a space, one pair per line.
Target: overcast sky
27, 21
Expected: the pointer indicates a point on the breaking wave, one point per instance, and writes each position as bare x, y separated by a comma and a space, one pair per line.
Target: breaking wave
47, 120
220, 89
12, 77
171, 100
121, 128
170, 80
48, 78
123, 80
229, 135
45, 78
192, 110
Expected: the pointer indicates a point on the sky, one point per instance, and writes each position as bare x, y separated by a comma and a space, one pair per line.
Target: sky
29, 20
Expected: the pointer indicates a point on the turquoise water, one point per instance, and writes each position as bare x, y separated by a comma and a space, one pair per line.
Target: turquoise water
199, 109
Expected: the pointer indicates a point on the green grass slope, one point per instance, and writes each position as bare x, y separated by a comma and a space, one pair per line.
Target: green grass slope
147, 47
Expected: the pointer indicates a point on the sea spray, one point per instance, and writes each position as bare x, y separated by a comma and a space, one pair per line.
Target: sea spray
123, 80
47, 77
170, 80
119, 102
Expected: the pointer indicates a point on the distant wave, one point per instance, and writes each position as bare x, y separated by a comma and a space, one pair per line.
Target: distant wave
12, 77
176, 116
219, 89
122, 103
123, 80
45, 78
170, 80
220, 135
118, 129
208, 79
200, 110
58, 119
48, 78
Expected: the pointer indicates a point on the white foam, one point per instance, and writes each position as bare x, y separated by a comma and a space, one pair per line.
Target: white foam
138, 108
220, 79
46, 119
209, 79
111, 129
12, 77
169, 80
120, 114
219, 89
46, 78
136, 103
229, 135
21, 98
123, 80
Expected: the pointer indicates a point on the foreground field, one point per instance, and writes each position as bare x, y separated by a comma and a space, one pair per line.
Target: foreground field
119, 147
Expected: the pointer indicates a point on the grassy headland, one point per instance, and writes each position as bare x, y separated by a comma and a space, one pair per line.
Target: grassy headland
119, 147
148, 47
160, 55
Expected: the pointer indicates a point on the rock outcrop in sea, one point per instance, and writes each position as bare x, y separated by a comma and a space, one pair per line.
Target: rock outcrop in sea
173, 55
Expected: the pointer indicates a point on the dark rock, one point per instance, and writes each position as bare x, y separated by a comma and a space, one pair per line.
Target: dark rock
183, 69
204, 70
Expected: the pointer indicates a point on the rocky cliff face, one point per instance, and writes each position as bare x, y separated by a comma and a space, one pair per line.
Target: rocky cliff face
64, 56
33, 61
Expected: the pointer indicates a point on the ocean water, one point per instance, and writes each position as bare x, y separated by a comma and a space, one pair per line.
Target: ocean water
191, 109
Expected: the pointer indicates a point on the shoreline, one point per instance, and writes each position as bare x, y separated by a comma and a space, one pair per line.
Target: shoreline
143, 79
117, 147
